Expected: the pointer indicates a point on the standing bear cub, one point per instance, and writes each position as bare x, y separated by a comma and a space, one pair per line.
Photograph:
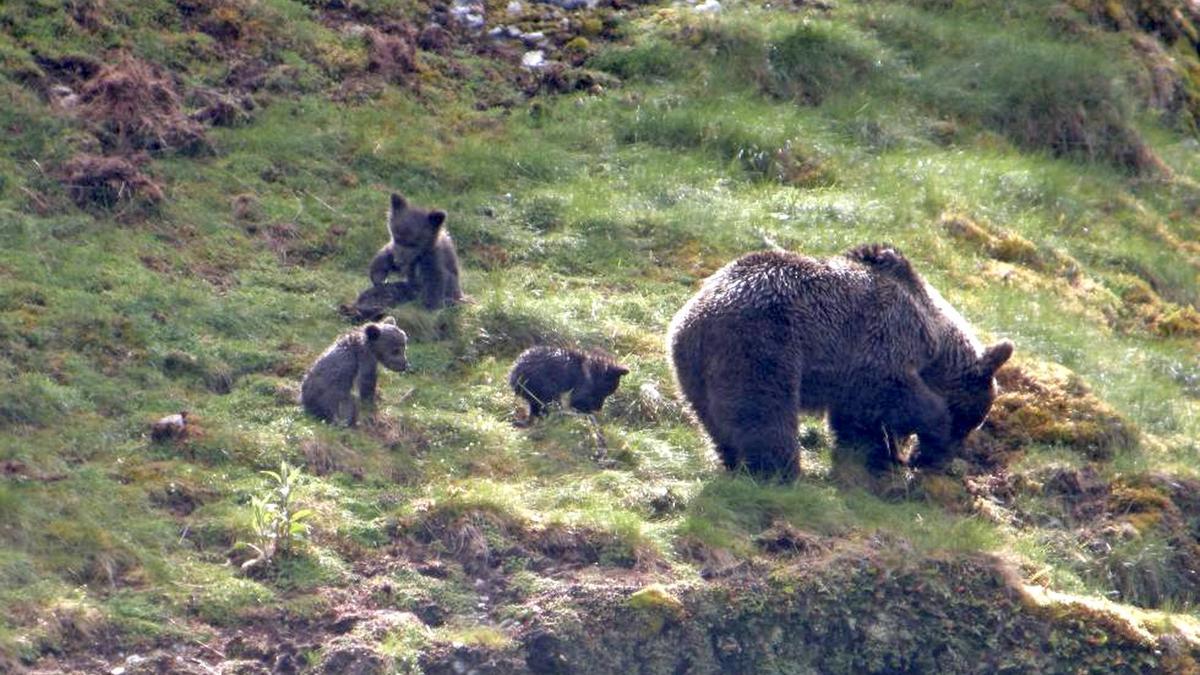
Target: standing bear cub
421, 249
541, 375
355, 355
861, 336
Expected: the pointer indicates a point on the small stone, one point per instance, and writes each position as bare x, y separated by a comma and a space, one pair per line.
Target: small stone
534, 59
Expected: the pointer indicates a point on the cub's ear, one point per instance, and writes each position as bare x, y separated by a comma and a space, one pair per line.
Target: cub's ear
398, 203
372, 332
995, 356
390, 320
436, 218
620, 370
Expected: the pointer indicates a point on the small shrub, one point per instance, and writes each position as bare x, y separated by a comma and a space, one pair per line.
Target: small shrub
276, 522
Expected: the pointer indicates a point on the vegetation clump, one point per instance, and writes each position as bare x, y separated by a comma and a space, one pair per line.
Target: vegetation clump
1007, 247
114, 183
134, 107
1048, 404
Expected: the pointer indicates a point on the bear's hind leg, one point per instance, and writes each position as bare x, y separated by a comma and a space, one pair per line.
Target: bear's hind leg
762, 434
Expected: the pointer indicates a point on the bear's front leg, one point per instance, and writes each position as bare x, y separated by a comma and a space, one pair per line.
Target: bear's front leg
381, 266
921, 411
433, 284
368, 374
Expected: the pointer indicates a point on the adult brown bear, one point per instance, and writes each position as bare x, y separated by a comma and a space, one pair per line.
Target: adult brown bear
861, 336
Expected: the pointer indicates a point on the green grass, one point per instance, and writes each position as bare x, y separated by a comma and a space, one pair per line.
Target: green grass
587, 219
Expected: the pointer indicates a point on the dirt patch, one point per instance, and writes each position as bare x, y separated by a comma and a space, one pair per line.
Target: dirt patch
483, 540
783, 538
1048, 404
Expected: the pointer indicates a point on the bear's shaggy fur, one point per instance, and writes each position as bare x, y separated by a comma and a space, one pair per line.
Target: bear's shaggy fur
422, 250
541, 375
355, 355
861, 336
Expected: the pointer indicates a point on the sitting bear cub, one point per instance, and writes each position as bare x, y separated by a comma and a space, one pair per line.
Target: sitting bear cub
861, 336
422, 251
355, 355
541, 375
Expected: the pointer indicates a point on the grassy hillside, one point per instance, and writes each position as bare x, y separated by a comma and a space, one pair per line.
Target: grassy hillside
1037, 162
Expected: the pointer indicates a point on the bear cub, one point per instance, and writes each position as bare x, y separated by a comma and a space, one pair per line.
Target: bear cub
354, 356
859, 336
422, 251
541, 375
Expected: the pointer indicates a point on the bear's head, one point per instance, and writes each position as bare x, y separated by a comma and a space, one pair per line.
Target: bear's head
601, 377
971, 396
413, 227
388, 343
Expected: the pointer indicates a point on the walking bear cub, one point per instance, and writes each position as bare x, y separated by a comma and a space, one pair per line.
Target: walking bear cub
541, 375
355, 355
422, 251
861, 336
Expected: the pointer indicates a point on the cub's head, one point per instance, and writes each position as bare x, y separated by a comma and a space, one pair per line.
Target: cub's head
388, 344
601, 377
972, 397
413, 227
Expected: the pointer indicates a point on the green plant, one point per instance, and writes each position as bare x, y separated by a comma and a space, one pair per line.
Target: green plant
276, 523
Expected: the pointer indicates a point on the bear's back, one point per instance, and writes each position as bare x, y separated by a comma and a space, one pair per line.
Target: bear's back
338, 362
769, 281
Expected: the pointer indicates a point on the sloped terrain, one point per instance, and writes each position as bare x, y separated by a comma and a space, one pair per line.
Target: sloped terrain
190, 190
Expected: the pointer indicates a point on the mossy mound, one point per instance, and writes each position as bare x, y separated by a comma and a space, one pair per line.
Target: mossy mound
1004, 246
1048, 404
1144, 309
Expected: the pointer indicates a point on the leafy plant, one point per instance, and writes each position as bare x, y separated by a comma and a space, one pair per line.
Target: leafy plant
277, 523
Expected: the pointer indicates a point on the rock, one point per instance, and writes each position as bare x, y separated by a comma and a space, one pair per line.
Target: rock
709, 7
468, 13
534, 59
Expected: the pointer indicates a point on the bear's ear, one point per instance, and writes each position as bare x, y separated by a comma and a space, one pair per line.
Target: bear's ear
372, 332
389, 320
436, 218
398, 203
995, 356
